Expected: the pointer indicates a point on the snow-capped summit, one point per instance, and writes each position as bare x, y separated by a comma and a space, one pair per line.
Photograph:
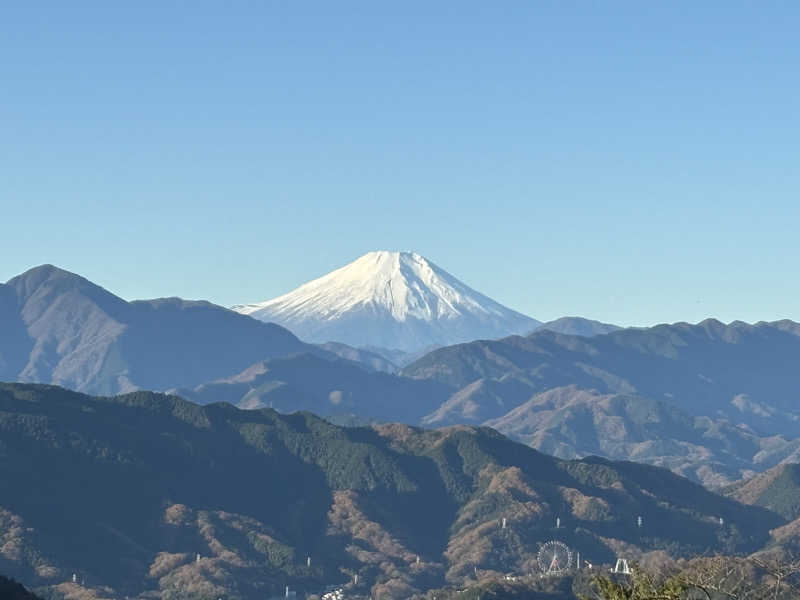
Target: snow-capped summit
397, 300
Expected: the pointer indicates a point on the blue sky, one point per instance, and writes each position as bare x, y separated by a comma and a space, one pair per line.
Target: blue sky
635, 162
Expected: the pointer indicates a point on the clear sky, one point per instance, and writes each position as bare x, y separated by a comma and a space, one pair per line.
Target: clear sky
635, 162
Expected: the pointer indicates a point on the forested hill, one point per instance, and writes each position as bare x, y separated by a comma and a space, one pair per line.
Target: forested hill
128, 491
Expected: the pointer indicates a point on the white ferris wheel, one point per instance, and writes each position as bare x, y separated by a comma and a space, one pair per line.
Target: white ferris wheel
554, 558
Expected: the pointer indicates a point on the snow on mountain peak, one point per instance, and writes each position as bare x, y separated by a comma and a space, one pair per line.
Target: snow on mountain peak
389, 299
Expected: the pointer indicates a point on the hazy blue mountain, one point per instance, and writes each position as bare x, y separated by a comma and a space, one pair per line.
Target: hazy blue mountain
15, 343
743, 373
325, 387
374, 361
578, 326
575, 396
396, 357
399, 357
572, 423
478, 401
61, 328
127, 491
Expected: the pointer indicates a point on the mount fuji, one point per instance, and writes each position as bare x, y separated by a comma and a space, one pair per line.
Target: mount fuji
392, 300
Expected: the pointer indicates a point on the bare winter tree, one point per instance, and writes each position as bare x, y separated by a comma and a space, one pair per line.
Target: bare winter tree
714, 578
781, 573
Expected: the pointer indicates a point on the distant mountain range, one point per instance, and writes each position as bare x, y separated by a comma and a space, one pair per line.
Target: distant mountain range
711, 401
740, 372
147, 494
61, 328
570, 422
393, 300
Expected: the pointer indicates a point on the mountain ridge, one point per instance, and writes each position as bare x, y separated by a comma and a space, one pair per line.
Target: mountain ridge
578, 326
571, 423
738, 371
64, 329
323, 386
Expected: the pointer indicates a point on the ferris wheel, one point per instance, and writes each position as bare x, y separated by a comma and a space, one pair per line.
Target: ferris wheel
554, 558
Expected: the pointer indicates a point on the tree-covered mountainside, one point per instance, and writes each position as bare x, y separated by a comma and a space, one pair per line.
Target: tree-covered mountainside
777, 489
150, 493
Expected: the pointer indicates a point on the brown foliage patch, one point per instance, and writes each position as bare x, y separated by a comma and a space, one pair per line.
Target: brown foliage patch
346, 517
18, 547
165, 562
588, 508
178, 514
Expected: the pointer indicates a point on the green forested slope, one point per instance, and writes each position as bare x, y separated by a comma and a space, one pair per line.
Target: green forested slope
128, 491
